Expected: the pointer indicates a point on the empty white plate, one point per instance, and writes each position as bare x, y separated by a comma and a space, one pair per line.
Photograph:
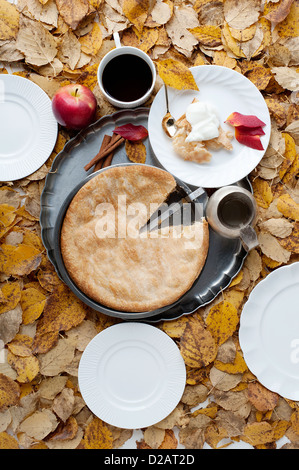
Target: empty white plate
28, 128
269, 331
132, 375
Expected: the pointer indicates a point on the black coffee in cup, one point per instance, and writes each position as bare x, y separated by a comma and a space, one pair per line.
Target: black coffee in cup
235, 211
127, 77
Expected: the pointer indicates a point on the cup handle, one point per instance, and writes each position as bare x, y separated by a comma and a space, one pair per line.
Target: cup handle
116, 39
248, 238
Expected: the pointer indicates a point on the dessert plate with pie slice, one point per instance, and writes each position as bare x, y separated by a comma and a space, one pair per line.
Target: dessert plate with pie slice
28, 128
228, 91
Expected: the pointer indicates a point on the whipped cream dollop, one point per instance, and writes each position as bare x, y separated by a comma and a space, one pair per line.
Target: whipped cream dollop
204, 121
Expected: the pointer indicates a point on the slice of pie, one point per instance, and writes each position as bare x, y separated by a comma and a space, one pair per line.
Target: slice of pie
136, 272
198, 150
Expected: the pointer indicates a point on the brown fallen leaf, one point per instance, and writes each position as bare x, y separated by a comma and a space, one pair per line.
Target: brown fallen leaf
197, 345
277, 11
73, 11
36, 43
261, 398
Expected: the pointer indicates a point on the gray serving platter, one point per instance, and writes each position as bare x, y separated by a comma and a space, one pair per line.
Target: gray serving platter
225, 257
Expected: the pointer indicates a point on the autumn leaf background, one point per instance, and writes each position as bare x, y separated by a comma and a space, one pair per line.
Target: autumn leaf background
44, 328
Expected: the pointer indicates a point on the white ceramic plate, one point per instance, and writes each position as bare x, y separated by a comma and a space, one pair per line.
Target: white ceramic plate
229, 91
132, 375
269, 331
28, 128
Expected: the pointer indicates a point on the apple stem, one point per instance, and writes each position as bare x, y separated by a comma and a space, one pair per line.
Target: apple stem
76, 91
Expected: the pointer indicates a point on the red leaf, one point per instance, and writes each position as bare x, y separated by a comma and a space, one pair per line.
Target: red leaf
252, 141
238, 119
131, 132
251, 130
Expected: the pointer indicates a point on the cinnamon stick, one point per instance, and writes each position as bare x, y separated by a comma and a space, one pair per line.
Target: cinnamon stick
106, 141
101, 154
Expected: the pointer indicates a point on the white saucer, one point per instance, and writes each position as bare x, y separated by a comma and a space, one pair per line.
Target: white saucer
228, 91
28, 128
269, 331
132, 375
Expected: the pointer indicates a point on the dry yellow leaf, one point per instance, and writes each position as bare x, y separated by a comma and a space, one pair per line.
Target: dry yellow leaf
291, 243
289, 154
62, 311
27, 367
7, 218
92, 41
258, 433
19, 260
209, 36
89, 76
21, 345
44, 342
237, 367
175, 74
289, 27
32, 303
148, 38
295, 421
214, 435
9, 392
97, 435
10, 296
288, 207
221, 58
175, 328
31, 238
136, 151
243, 34
197, 345
231, 42
222, 321
136, 12
276, 110
262, 192
9, 20
260, 76
7, 441
279, 429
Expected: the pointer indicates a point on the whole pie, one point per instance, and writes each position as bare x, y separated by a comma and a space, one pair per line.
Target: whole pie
110, 261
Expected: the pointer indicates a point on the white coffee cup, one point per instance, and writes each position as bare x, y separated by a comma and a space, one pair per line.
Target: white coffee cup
121, 50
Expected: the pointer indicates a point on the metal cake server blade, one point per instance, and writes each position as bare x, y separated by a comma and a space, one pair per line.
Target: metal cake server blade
159, 217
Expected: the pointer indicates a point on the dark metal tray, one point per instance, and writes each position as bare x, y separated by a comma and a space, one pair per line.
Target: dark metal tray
67, 175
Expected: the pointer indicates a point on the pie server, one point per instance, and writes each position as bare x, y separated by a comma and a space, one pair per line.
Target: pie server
160, 216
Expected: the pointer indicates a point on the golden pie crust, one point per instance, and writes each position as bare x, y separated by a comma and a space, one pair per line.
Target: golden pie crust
131, 274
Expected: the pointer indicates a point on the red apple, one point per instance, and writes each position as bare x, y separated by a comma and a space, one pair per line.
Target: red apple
74, 106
